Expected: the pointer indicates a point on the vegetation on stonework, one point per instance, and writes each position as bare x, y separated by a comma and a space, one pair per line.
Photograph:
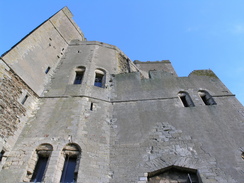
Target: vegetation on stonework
204, 73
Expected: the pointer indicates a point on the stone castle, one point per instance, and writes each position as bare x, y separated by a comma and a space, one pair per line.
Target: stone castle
73, 110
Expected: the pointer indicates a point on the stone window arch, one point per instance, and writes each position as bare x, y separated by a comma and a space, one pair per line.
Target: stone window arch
100, 77
79, 73
174, 174
37, 166
206, 97
71, 154
185, 99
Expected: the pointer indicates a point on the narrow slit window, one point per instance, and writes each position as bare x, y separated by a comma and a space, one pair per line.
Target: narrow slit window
24, 99
91, 107
47, 70
128, 65
206, 98
186, 99
1, 155
79, 75
99, 78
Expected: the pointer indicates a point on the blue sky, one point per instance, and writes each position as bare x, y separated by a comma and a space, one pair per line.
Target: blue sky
192, 34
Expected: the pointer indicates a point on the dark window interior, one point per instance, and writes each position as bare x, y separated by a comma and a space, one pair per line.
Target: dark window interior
207, 98
47, 70
91, 107
24, 100
204, 98
184, 101
175, 175
1, 155
69, 175
39, 169
78, 78
98, 80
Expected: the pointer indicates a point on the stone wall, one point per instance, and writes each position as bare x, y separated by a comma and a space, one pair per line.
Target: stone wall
42, 49
146, 67
14, 111
132, 129
153, 130
58, 122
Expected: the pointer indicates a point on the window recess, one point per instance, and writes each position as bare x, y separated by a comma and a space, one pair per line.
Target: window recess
206, 97
71, 154
79, 73
185, 99
99, 78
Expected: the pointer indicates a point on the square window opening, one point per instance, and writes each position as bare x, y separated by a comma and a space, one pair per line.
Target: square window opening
99, 80
78, 78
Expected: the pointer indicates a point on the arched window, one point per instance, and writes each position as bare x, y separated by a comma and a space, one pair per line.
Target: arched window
206, 97
174, 174
100, 76
71, 153
79, 72
186, 99
40, 160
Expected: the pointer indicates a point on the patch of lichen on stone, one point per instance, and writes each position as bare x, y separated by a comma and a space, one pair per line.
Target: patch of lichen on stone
151, 62
208, 73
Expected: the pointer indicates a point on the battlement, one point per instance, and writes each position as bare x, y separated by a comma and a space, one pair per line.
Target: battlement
146, 67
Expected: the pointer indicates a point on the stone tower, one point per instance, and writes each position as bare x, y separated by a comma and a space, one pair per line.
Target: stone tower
74, 110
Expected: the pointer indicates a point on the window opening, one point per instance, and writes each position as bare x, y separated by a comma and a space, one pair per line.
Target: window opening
189, 180
174, 174
41, 157
186, 99
78, 78
1, 155
39, 169
99, 78
128, 65
91, 107
206, 98
69, 174
24, 99
150, 73
71, 163
47, 70
183, 99
79, 75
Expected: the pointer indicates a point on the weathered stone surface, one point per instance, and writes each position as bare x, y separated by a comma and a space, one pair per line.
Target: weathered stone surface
134, 129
